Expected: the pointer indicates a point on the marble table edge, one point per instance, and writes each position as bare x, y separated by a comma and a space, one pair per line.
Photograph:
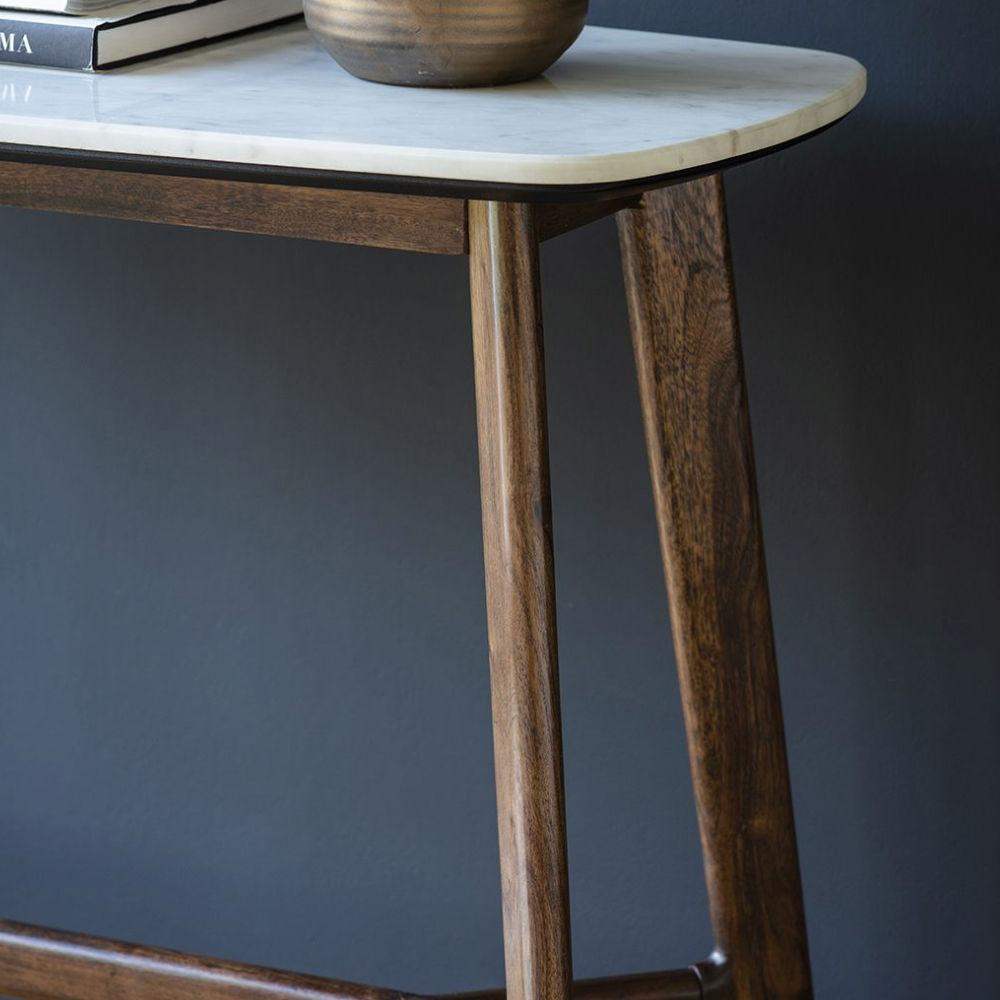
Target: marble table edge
440, 163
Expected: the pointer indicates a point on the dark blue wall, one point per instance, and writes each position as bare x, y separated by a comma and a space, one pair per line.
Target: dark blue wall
244, 695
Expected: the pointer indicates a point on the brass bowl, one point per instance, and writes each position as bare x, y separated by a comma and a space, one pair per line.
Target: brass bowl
446, 43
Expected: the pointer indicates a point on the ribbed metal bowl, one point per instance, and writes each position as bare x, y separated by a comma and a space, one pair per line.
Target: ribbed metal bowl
446, 43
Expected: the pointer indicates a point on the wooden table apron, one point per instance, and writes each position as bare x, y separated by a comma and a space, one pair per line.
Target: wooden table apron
690, 371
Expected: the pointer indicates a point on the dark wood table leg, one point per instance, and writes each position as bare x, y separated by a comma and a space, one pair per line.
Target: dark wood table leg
517, 533
682, 304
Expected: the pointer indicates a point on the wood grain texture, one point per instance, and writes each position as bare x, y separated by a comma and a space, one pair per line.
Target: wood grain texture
456, 43
520, 592
682, 304
41, 964
392, 221
554, 220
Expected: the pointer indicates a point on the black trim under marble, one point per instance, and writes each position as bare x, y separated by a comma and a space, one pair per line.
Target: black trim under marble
388, 183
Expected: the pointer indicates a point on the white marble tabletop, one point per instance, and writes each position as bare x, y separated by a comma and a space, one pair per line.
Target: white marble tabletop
620, 106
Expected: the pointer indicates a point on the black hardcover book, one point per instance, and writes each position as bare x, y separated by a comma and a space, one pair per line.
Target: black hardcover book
129, 33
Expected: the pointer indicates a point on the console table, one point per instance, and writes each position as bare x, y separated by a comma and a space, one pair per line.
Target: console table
267, 135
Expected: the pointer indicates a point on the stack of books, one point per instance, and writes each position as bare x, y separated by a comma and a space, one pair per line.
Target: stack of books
103, 34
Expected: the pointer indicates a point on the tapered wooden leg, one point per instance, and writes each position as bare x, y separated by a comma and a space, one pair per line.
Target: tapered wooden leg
681, 300
517, 532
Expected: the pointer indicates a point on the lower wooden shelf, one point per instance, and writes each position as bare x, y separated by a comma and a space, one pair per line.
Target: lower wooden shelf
41, 964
